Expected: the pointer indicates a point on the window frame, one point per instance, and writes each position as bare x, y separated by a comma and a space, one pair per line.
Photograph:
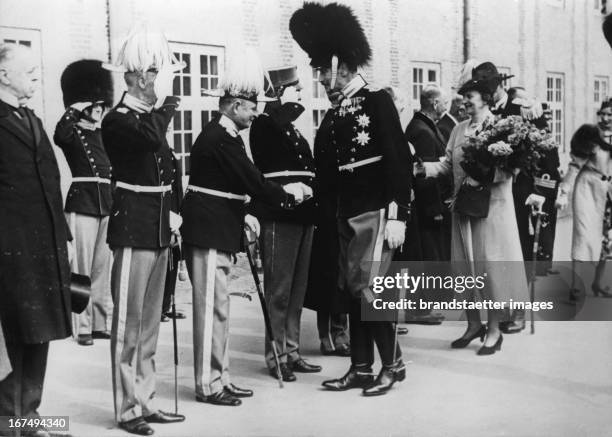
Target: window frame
417, 87
555, 97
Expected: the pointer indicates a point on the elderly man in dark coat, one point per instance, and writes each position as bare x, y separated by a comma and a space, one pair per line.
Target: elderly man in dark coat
34, 265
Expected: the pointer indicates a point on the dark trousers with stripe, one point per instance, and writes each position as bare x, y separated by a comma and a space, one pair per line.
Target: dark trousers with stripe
363, 255
286, 259
138, 278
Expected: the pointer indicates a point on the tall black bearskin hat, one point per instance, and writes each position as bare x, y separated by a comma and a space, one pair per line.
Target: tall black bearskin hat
607, 29
87, 81
585, 139
327, 31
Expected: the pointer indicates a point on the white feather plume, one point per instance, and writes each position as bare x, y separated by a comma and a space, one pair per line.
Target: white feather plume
244, 73
144, 48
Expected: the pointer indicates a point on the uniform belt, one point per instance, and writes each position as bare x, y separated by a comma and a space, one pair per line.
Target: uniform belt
278, 174
217, 193
144, 188
353, 165
92, 179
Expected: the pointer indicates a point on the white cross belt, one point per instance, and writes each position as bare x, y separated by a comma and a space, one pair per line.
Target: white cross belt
353, 165
278, 174
217, 193
144, 188
92, 179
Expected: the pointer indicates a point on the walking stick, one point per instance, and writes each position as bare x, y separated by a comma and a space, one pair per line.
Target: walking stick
536, 237
264, 308
182, 277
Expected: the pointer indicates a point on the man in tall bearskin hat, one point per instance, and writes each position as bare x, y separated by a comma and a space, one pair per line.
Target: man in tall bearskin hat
140, 229
373, 174
87, 89
283, 155
221, 176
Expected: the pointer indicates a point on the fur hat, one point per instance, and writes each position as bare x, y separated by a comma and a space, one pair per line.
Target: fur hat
585, 139
86, 81
327, 31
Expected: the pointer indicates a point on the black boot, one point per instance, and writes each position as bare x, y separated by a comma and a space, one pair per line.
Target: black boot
386, 378
356, 377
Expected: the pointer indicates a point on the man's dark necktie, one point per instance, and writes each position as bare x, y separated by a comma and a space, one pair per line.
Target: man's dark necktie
23, 113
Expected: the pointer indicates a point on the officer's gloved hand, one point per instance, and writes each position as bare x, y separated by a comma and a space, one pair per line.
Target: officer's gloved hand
252, 223
296, 190
163, 84
536, 202
395, 231
81, 106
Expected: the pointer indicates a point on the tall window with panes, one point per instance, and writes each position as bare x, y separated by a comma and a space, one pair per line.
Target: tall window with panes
423, 73
320, 103
201, 73
601, 85
555, 93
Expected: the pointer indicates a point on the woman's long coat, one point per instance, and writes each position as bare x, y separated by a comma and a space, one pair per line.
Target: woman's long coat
492, 241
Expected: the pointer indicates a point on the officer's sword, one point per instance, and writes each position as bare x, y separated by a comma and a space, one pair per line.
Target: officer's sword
536, 243
264, 307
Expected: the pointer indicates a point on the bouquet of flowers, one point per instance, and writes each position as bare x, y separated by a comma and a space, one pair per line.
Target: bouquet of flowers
508, 144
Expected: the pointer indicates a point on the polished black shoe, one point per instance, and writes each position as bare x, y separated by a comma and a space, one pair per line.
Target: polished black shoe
388, 376
462, 342
490, 350
354, 378
238, 392
137, 426
512, 327
85, 340
179, 315
286, 373
301, 366
163, 417
220, 398
165, 318
605, 291
101, 335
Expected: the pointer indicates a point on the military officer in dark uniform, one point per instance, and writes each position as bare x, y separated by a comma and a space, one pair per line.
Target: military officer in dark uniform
139, 231
221, 176
283, 155
524, 184
374, 183
87, 89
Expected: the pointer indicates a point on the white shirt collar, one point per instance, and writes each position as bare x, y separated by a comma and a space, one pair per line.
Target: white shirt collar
229, 125
135, 104
354, 86
9, 99
501, 103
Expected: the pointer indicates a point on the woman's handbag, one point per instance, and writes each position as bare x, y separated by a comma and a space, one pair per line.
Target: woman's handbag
473, 201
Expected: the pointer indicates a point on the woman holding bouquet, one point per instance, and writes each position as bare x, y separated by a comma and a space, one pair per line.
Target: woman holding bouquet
479, 237
588, 178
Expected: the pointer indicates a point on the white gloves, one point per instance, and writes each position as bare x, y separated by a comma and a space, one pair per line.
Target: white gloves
561, 202
163, 85
300, 191
394, 233
252, 223
535, 201
175, 222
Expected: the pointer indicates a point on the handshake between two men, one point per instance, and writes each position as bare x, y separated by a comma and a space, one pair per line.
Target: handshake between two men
300, 192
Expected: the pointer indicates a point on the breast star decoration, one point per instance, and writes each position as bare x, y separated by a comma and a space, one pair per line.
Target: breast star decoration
362, 138
363, 120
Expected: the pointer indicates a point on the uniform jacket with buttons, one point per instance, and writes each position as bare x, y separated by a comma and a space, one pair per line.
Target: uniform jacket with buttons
277, 146
86, 157
136, 145
219, 162
366, 125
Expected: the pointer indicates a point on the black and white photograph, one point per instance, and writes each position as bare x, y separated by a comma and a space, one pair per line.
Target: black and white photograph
306, 218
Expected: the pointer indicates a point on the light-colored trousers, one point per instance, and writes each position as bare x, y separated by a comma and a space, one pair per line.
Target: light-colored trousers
208, 270
92, 258
138, 278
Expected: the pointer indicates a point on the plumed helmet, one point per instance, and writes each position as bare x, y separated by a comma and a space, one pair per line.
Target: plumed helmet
330, 30
86, 81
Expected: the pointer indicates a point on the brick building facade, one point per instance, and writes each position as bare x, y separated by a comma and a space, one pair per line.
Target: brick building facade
554, 48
